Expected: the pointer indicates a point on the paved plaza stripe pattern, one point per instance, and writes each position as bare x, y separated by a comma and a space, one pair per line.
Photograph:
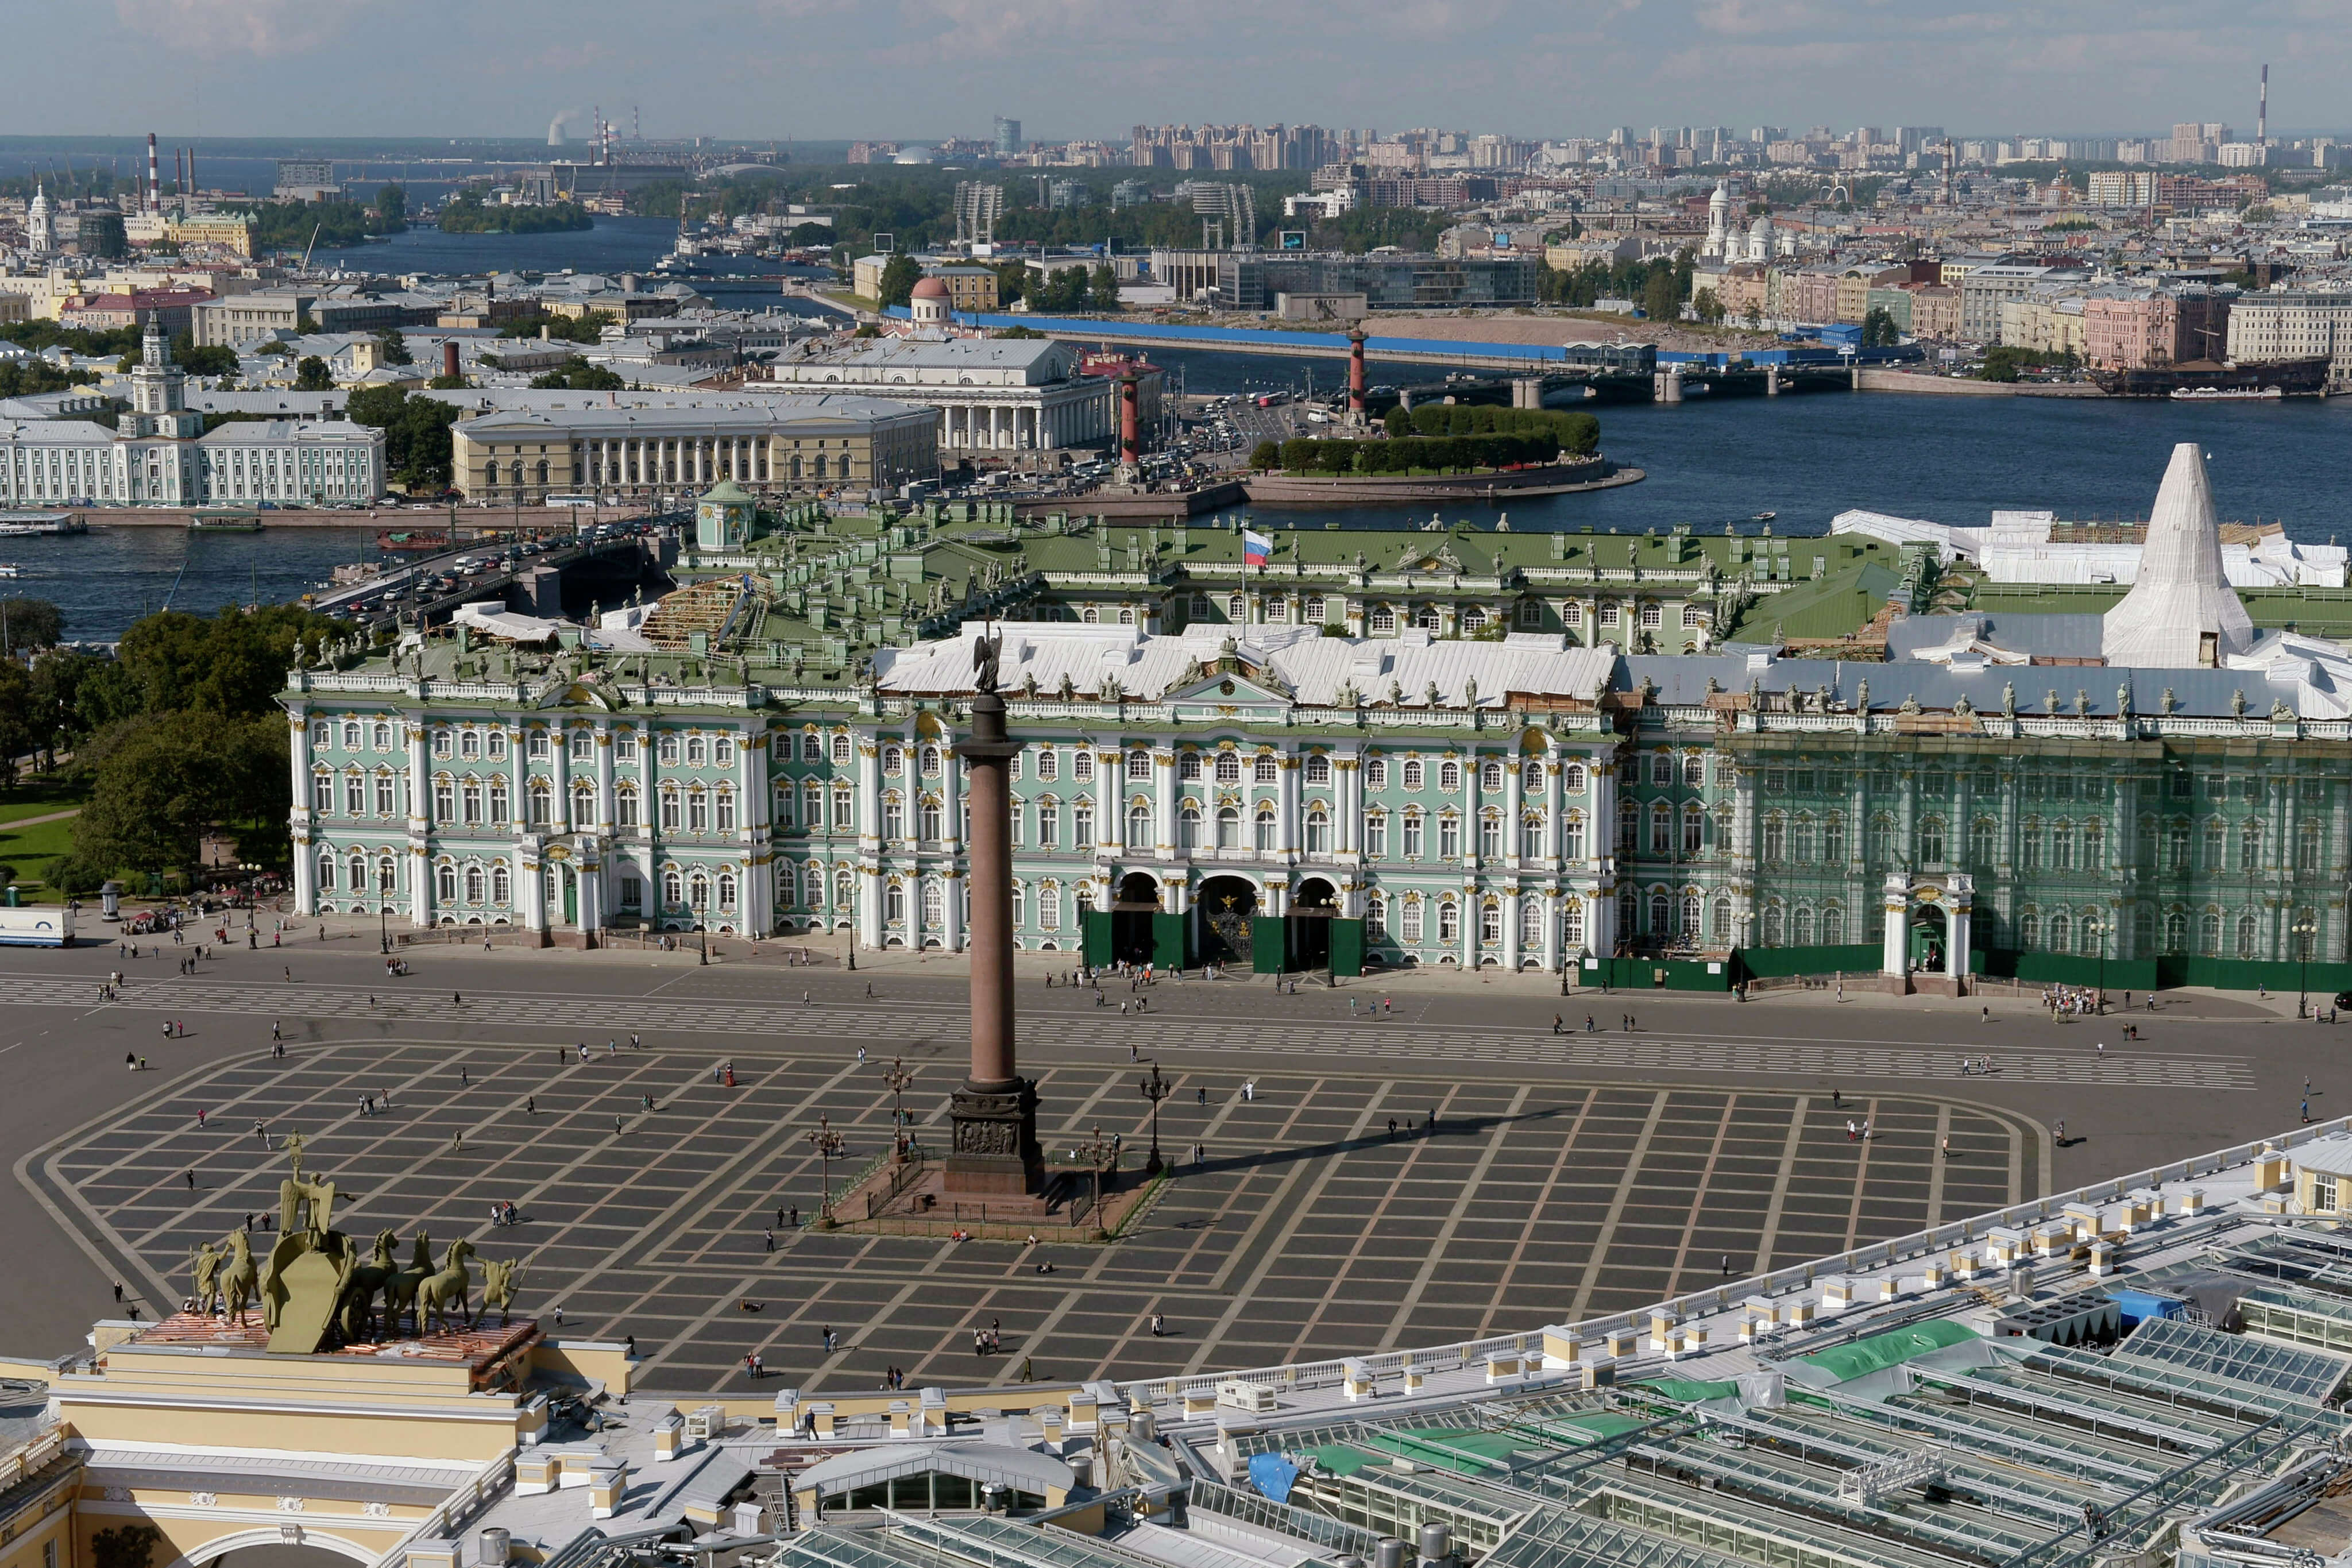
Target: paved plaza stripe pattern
1309, 1230
896, 1028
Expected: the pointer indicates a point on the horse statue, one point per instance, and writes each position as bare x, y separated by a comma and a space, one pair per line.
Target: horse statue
365, 1282
205, 1266
240, 1281
400, 1286
498, 1280
452, 1284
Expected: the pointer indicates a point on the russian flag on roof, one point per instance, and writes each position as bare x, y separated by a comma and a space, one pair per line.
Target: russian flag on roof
1256, 548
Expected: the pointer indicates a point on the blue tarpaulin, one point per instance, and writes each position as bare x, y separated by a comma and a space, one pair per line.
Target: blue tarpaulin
1273, 1476
2139, 1305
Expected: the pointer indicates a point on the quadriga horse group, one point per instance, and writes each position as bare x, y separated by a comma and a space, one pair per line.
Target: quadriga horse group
373, 1295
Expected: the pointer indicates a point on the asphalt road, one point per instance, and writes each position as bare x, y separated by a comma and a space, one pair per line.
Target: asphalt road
1569, 1175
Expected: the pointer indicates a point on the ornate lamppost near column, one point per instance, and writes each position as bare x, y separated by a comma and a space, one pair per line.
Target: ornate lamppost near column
1098, 1152
2304, 930
897, 1079
2096, 929
828, 1144
1155, 1089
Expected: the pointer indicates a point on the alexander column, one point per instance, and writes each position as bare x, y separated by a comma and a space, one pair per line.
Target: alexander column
993, 1149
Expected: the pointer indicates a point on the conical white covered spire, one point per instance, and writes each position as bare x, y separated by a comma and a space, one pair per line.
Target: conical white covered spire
2180, 597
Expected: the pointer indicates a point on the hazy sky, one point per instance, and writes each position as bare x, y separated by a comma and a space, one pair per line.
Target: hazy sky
917, 68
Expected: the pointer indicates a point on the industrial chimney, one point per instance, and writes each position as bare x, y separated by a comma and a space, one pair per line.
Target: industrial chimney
449, 357
2263, 111
154, 178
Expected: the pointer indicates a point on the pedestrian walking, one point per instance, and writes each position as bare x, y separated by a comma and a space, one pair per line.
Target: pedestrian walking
771, 1238
530, 1105
2062, 1131
192, 1175
200, 1116
1159, 1325
1726, 1265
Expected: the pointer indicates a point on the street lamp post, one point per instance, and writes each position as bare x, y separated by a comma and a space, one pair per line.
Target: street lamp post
1098, 1152
828, 1144
2096, 929
2304, 928
896, 1079
1155, 1089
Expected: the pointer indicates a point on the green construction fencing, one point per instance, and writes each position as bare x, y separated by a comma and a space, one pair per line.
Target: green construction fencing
1845, 958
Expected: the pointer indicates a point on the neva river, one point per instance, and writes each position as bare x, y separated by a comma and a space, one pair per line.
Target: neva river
1949, 460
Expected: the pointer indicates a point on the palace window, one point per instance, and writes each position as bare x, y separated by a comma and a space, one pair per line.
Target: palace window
1267, 771
502, 885
726, 806
1376, 774
470, 744
1449, 836
355, 794
1411, 924
542, 803
583, 745
1490, 837
1229, 768
1931, 841
1188, 826
1882, 841
1138, 766
445, 884
1376, 836
845, 809
894, 761
1412, 827
1571, 843
1776, 839
445, 800
624, 746
625, 802
1693, 833
1188, 767
1490, 923
1413, 774
1319, 832
1490, 777
1449, 778
840, 749
1049, 825
1082, 825
673, 890
1318, 769
1382, 623
1082, 767
1138, 828
383, 795
932, 821
1263, 829
1376, 919
474, 884
1571, 779
1661, 830
1449, 922
1049, 765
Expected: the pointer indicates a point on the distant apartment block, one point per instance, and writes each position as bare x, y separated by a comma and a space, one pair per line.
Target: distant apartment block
2295, 324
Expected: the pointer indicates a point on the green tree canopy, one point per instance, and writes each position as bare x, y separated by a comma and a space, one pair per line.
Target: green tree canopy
416, 442
26, 623
899, 276
312, 375
576, 374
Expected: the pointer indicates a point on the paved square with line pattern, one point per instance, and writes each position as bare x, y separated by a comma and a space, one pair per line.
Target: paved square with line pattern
1308, 1231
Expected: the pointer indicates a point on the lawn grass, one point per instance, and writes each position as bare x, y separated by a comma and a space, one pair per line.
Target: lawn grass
38, 797
30, 850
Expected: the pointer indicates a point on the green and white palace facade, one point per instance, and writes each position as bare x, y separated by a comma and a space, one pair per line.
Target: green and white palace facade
2160, 790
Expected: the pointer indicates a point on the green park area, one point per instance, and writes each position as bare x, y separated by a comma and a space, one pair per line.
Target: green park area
124, 766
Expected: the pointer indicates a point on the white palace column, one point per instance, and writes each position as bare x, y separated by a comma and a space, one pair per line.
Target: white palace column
756, 832
420, 805
1110, 819
1960, 917
300, 818
1896, 902
1470, 858
952, 825
1555, 819
869, 843
1554, 901
1286, 809
1514, 845
648, 823
1163, 803
1601, 849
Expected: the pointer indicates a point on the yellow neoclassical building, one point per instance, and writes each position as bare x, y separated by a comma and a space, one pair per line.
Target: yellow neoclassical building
191, 1428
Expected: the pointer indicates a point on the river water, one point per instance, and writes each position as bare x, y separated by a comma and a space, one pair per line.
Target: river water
1950, 459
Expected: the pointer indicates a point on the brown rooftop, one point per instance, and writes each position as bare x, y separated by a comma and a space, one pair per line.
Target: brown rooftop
484, 1349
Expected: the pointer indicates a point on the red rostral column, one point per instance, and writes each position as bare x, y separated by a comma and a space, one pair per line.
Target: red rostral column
1130, 434
992, 1117
1356, 374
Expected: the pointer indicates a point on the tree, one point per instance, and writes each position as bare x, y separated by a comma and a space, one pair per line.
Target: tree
392, 209
312, 375
130, 1546
899, 276
1105, 287
159, 782
1878, 329
1399, 420
576, 374
391, 346
29, 624
1660, 301
1708, 306
416, 441
1266, 455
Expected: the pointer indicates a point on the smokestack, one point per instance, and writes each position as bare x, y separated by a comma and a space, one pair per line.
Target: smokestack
449, 356
155, 177
2262, 113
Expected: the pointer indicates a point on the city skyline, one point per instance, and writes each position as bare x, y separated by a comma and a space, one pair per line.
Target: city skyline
1078, 70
